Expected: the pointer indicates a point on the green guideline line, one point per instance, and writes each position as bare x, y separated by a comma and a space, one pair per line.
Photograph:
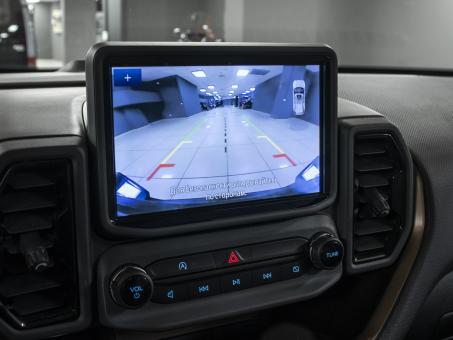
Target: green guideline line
254, 126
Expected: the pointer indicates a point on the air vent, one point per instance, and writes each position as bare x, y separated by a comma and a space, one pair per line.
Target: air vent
38, 278
379, 197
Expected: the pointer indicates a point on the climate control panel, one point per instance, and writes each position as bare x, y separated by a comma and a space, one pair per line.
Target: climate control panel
223, 271
178, 281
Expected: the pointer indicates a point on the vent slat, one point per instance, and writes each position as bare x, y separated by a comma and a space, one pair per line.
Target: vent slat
373, 164
12, 286
372, 181
28, 180
362, 258
368, 243
25, 305
24, 201
369, 149
371, 227
40, 319
18, 223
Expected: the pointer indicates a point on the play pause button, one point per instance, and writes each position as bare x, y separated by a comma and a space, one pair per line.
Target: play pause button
237, 281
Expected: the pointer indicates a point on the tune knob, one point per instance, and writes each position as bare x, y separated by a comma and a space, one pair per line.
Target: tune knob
326, 251
131, 286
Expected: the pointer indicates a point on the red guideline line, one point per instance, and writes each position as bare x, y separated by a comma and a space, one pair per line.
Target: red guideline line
157, 169
284, 155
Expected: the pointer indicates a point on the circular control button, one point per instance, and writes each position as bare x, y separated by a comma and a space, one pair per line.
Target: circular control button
332, 253
326, 251
131, 287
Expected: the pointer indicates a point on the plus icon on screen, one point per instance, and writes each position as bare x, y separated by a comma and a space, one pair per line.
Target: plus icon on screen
127, 76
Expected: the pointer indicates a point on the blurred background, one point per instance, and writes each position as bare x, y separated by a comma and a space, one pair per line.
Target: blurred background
46, 34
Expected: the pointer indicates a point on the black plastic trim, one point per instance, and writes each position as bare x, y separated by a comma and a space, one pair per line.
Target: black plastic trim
41, 80
72, 148
344, 69
348, 129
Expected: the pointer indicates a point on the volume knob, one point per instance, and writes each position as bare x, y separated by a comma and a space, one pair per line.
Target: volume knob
326, 251
131, 286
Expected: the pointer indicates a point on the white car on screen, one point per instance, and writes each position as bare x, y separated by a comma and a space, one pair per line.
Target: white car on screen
299, 97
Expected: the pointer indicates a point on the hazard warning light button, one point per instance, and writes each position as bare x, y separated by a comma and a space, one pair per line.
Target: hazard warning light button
233, 257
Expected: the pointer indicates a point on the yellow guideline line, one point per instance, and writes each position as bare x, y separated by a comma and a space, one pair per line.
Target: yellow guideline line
263, 135
273, 143
170, 155
184, 141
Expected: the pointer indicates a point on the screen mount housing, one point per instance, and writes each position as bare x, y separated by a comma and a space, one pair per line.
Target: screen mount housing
102, 57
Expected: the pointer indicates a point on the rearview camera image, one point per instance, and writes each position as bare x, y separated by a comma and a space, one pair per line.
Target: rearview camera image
190, 136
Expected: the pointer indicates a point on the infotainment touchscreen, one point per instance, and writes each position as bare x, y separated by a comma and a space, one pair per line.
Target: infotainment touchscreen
198, 136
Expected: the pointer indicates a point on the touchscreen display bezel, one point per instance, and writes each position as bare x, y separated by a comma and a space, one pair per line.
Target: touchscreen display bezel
100, 125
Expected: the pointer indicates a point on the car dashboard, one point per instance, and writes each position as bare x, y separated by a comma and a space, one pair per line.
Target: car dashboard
395, 153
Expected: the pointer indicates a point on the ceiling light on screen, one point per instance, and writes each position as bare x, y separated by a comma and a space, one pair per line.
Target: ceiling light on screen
215, 92
199, 74
202, 90
211, 87
242, 73
234, 86
252, 89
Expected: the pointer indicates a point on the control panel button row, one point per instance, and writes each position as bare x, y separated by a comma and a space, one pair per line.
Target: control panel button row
182, 265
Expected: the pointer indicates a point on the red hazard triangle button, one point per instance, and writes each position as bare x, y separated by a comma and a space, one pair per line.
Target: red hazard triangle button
234, 257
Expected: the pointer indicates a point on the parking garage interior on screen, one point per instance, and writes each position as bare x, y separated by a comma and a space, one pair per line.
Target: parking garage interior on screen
187, 136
